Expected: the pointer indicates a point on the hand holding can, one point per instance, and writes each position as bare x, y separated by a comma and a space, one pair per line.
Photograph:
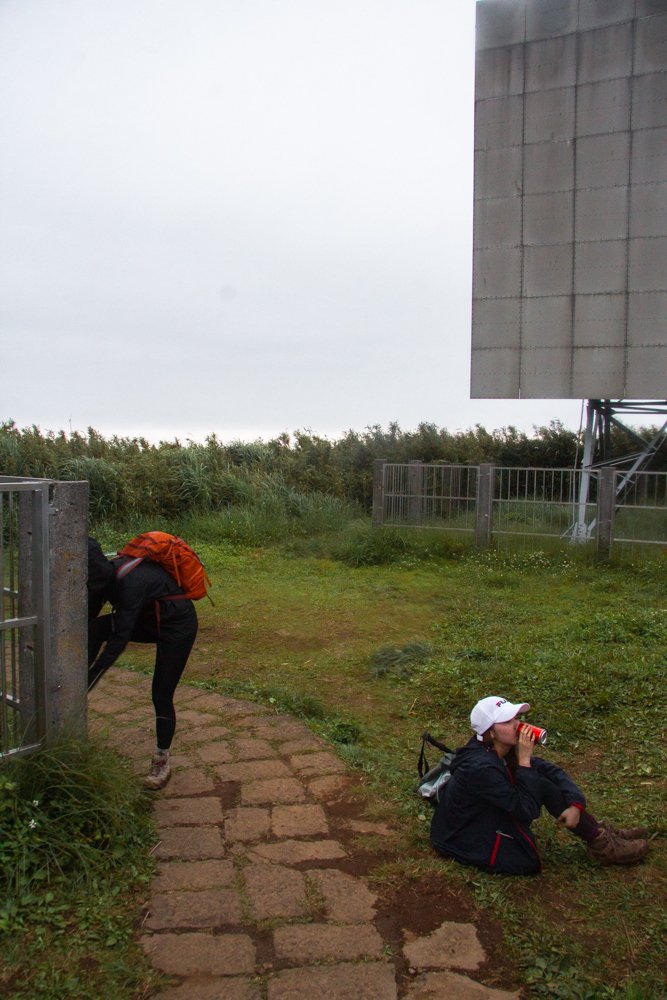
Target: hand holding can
539, 735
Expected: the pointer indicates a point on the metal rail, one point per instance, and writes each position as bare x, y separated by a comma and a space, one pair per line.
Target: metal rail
536, 503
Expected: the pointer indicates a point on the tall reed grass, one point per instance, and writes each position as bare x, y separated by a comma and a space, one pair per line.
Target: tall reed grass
132, 478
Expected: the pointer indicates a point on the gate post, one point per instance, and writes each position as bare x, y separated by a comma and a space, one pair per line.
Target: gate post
484, 506
378, 492
606, 507
67, 677
415, 491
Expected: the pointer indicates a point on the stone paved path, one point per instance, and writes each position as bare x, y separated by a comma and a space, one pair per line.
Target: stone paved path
251, 900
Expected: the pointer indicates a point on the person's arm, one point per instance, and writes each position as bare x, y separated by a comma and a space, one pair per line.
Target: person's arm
130, 601
520, 799
571, 791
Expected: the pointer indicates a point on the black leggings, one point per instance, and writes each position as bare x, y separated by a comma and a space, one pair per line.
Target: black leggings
553, 799
171, 655
554, 802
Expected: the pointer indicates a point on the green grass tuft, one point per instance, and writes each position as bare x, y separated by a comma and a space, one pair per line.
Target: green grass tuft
74, 840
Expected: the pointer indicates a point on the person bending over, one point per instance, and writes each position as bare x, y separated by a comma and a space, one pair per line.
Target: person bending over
498, 787
146, 609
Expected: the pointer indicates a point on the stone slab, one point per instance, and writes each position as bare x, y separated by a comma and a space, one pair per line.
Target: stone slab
190, 843
201, 954
275, 891
253, 749
247, 823
348, 981
298, 821
189, 781
122, 679
106, 704
235, 708
209, 874
141, 713
254, 770
196, 988
363, 826
202, 811
193, 910
330, 787
295, 852
193, 717
450, 946
347, 899
207, 734
215, 753
438, 985
314, 764
309, 744
326, 942
206, 701
278, 729
272, 790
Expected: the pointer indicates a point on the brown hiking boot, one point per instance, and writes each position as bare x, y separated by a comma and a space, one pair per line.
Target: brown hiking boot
609, 849
159, 773
626, 833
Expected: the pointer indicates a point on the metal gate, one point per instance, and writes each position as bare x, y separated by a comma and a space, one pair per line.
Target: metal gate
24, 613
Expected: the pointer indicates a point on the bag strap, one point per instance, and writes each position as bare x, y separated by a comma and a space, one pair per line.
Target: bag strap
127, 567
422, 763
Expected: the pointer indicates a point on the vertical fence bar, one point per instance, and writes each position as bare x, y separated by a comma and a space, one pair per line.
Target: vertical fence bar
378, 491
605, 512
484, 519
415, 511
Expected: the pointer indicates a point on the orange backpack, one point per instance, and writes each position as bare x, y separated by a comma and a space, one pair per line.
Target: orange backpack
175, 556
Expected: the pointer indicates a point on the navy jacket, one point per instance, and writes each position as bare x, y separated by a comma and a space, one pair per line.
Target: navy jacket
484, 816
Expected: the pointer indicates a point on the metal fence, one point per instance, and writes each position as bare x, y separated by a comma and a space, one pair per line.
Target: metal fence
605, 508
24, 617
545, 503
439, 495
640, 519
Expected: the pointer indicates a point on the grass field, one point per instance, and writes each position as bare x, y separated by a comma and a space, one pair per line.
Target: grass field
372, 656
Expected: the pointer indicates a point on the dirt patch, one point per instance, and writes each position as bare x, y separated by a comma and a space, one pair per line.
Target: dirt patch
229, 793
417, 907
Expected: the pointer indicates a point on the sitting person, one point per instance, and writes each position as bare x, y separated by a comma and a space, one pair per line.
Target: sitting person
497, 788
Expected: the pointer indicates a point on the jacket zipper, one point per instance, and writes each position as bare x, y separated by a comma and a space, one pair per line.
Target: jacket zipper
496, 846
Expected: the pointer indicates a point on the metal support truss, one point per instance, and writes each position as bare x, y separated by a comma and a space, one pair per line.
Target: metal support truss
601, 416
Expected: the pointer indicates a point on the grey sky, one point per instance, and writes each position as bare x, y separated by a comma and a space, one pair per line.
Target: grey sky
239, 216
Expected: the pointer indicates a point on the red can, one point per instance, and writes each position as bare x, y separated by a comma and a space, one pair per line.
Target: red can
540, 735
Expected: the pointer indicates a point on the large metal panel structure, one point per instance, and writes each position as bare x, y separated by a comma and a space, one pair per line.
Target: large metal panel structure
570, 216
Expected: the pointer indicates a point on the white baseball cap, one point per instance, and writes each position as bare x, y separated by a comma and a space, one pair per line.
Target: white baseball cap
494, 709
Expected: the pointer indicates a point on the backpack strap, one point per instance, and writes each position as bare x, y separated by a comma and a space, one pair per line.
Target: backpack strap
127, 567
422, 763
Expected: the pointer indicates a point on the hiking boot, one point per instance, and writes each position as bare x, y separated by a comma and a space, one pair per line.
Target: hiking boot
159, 772
610, 849
626, 833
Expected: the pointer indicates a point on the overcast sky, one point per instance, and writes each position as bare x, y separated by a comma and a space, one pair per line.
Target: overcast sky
239, 216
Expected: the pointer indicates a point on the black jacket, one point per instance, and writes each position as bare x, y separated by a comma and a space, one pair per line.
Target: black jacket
484, 816
142, 611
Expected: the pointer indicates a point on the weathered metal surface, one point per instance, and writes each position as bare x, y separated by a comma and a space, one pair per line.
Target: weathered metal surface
570, 219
